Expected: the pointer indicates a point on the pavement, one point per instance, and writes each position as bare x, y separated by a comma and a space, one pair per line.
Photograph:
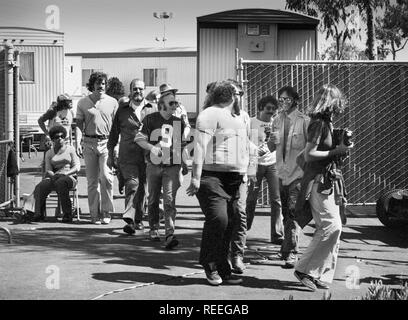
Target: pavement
80, 261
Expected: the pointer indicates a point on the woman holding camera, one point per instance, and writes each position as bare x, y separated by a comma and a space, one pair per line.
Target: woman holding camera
61, 166
323, 187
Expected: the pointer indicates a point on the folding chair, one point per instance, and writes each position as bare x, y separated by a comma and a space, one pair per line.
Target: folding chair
76, 210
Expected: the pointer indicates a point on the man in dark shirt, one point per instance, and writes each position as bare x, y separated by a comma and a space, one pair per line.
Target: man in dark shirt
131, 164
161, 135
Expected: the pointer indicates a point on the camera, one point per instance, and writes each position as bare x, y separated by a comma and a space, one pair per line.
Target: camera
344, 135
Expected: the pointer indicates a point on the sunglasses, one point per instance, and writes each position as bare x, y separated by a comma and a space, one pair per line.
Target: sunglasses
285, 99
58, 136
173, 103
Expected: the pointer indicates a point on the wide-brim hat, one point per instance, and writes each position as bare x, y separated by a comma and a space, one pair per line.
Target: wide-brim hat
166, 89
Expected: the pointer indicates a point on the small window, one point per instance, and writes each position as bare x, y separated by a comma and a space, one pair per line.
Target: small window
253, 29
86, 73
154, 77
264, 29
26, 67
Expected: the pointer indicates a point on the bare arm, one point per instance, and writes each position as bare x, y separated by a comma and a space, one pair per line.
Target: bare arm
312, 154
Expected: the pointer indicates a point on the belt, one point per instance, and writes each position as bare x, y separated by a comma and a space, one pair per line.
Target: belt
96, 136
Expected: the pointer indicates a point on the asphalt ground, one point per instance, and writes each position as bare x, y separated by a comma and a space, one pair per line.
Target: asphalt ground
80, 261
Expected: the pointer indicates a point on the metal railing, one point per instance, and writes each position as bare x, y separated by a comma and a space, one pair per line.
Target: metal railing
377, 113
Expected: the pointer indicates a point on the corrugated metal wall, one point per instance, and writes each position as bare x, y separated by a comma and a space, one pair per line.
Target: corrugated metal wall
35, 98
216, 57
296, 44
181, 72
3, 147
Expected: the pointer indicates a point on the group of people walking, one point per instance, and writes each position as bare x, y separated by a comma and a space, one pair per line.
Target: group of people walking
297, 154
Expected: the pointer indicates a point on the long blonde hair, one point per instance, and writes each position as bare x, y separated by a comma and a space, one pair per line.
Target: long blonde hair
329, 99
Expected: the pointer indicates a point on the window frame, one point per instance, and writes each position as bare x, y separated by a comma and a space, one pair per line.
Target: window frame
20, 80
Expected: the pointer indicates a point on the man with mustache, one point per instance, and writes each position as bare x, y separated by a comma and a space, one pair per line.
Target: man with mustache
131, 164
161, 135
94, 118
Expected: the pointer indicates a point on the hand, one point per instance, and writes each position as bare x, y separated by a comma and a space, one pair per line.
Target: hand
262, 149
194, 186
342, 149
156, 151
252, 179
274, 137
79, 151
110, 162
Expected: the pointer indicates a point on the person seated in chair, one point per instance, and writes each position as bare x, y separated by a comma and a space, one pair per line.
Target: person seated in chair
61, 166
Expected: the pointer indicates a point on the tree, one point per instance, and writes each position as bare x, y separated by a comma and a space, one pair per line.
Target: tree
392, 29
115, 88
336, 18
348, 51
335, 14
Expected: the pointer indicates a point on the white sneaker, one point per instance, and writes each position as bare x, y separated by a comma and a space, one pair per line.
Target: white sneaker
106, 220
96, 221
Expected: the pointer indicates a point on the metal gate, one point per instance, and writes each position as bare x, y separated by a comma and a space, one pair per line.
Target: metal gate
377, 113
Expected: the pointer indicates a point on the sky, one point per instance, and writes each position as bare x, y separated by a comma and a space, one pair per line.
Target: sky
117, 25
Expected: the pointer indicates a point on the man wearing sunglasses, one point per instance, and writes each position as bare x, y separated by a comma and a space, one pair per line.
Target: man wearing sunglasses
131, 164
289, 134
161, 136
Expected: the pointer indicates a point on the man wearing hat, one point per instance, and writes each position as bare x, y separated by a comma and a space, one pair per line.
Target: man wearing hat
180, 113
161, 136
131, 163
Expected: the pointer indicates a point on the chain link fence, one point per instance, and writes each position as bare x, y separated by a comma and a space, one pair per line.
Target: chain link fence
377, 114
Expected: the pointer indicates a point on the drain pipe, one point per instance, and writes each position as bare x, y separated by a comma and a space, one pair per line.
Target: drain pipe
10, 92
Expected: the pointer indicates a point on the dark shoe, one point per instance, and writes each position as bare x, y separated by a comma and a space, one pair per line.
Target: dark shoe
320, 284
238, 265
38, 218
154, 235
66, 219
231, 279
171, 242
139, 225
306, 280
129, 229
290, 261
277, 241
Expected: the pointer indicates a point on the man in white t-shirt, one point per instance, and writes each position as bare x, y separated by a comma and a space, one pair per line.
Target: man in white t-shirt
261, 125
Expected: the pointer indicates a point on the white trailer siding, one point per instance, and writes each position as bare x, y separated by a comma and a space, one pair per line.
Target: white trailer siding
35, 97
216, 57
296, 44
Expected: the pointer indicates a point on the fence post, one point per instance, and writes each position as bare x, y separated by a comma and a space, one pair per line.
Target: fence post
17, 126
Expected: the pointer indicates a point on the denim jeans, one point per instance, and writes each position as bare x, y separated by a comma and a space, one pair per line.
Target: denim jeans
135, 190
168, 177
99, 177
239, 229
218, 197
61, 185
268, 172
289, 195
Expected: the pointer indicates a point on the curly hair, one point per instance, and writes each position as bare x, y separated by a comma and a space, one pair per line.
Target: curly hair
56, 130
265, 100
328, 100
223, 93
96, 77
291, 92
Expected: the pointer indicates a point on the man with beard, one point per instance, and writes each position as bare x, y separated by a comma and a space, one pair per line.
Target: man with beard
131, 164
161, 136
94, 118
